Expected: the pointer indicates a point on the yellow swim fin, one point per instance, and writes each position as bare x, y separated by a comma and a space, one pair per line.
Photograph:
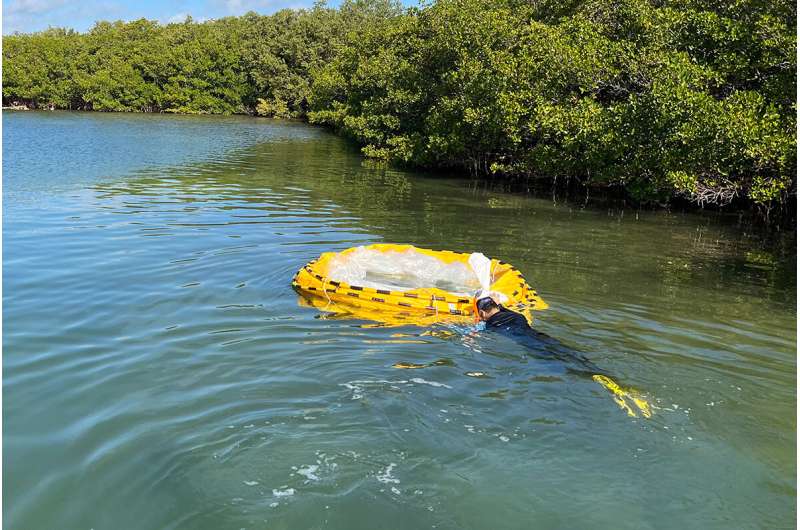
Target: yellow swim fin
623, 396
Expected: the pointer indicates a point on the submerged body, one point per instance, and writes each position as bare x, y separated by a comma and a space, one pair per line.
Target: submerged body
499, 319
516, 326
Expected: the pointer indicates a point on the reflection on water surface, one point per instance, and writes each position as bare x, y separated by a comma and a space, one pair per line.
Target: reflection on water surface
158, 371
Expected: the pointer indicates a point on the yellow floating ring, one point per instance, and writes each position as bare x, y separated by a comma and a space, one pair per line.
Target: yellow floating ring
421, 306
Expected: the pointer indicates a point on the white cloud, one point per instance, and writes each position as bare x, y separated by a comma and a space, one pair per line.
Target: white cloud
31, 7
35, 15
177, 18
239, 7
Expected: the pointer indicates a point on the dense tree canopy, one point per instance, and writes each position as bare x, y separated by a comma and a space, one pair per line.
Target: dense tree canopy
245, 64
663, 98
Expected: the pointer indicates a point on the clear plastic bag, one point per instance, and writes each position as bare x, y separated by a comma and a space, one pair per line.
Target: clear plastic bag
403, 271
482, 268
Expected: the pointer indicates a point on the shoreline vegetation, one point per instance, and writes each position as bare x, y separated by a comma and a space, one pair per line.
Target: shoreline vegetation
661, 101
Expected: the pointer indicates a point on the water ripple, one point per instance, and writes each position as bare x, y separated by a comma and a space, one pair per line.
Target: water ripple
157, 363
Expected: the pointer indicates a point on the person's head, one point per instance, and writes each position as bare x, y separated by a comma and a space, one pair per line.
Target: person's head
486, 307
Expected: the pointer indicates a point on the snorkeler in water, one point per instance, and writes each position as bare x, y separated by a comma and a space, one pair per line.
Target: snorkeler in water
514, 325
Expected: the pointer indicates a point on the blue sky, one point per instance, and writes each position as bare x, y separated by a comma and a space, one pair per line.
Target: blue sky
34, 15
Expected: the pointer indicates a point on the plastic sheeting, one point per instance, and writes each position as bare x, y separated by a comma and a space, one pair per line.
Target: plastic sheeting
482, 266
402, 271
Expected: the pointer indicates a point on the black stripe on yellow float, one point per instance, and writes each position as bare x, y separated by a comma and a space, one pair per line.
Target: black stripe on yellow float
334, 283
410, 295
376, 299
354, 295
356, 288
404, 304
383, 291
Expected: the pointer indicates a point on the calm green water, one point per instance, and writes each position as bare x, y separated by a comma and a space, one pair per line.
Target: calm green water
159, 372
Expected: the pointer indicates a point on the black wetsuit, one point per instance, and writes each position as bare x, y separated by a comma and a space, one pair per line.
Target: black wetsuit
515, 326
508, 321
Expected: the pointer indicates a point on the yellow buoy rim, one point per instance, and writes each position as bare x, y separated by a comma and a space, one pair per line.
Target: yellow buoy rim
420, 306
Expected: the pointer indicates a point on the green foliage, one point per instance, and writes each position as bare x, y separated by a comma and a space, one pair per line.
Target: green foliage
668, 98
39, 68
662, 98
276, 108
220, 67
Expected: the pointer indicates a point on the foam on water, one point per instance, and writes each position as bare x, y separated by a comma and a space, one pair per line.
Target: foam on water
285, 492
386, 477
358, 386
420, 381
309, 472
